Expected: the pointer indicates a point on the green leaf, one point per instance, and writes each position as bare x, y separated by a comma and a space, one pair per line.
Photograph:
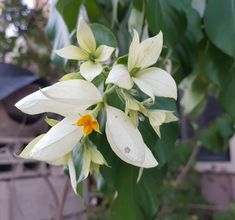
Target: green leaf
226, 96
138, 4
103, 35
122, 60
221, 30
93, 10
215, 137
125, 206
69, 10
146, 192
165, 148
194, 29
214, 63
166, 15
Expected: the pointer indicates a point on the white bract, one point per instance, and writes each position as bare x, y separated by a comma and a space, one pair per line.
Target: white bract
87, 52
156, 117
79, 102
70, 99
92, 159
152, 81
126, 140
67, 98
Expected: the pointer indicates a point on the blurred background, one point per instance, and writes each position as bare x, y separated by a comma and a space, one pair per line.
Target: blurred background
196, 175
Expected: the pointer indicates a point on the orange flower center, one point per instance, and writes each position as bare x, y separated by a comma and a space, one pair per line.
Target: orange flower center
89, 124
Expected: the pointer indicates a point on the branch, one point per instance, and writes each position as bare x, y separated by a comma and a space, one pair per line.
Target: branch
59, 213
188, 165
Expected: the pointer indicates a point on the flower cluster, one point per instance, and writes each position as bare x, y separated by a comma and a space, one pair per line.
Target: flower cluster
79, 101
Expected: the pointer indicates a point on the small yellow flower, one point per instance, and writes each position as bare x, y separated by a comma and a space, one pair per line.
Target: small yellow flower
89, 123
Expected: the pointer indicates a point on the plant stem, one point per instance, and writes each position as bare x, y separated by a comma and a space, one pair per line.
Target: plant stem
60, 210
109, 90
188, 165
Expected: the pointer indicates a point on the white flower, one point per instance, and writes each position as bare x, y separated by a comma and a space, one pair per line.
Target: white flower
71, 99
87, 52
151, 80
67, 98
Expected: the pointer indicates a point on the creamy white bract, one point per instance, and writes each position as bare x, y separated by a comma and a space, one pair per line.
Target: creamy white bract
87, 52
79, 101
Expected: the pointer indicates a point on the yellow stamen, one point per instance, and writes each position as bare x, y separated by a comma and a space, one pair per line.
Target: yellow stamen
89, 124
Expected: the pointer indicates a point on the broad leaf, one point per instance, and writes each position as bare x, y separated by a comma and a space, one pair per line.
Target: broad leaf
69, 10
103, 35
221, 30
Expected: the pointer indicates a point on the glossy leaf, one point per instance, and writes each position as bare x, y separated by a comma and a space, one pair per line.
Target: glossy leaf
226, 97
69, 10
221, 31
103, 35
217, 134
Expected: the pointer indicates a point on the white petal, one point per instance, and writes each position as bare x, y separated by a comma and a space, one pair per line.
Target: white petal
149, 51
103, 53
96, 156
86, 163
156, 119
72, 173
156, 82
27, 150
120, 76
58, 141
26, 153
59, 162
133, 51
126, 140
72, 52
37, 103
89, 70
163, 116
85, 37
170, 117
149, 160
76, 92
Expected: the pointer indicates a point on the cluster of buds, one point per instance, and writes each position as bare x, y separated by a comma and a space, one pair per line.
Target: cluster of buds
79, 101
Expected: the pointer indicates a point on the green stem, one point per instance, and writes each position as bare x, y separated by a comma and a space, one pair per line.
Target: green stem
168, 55
96, 110
110, 88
